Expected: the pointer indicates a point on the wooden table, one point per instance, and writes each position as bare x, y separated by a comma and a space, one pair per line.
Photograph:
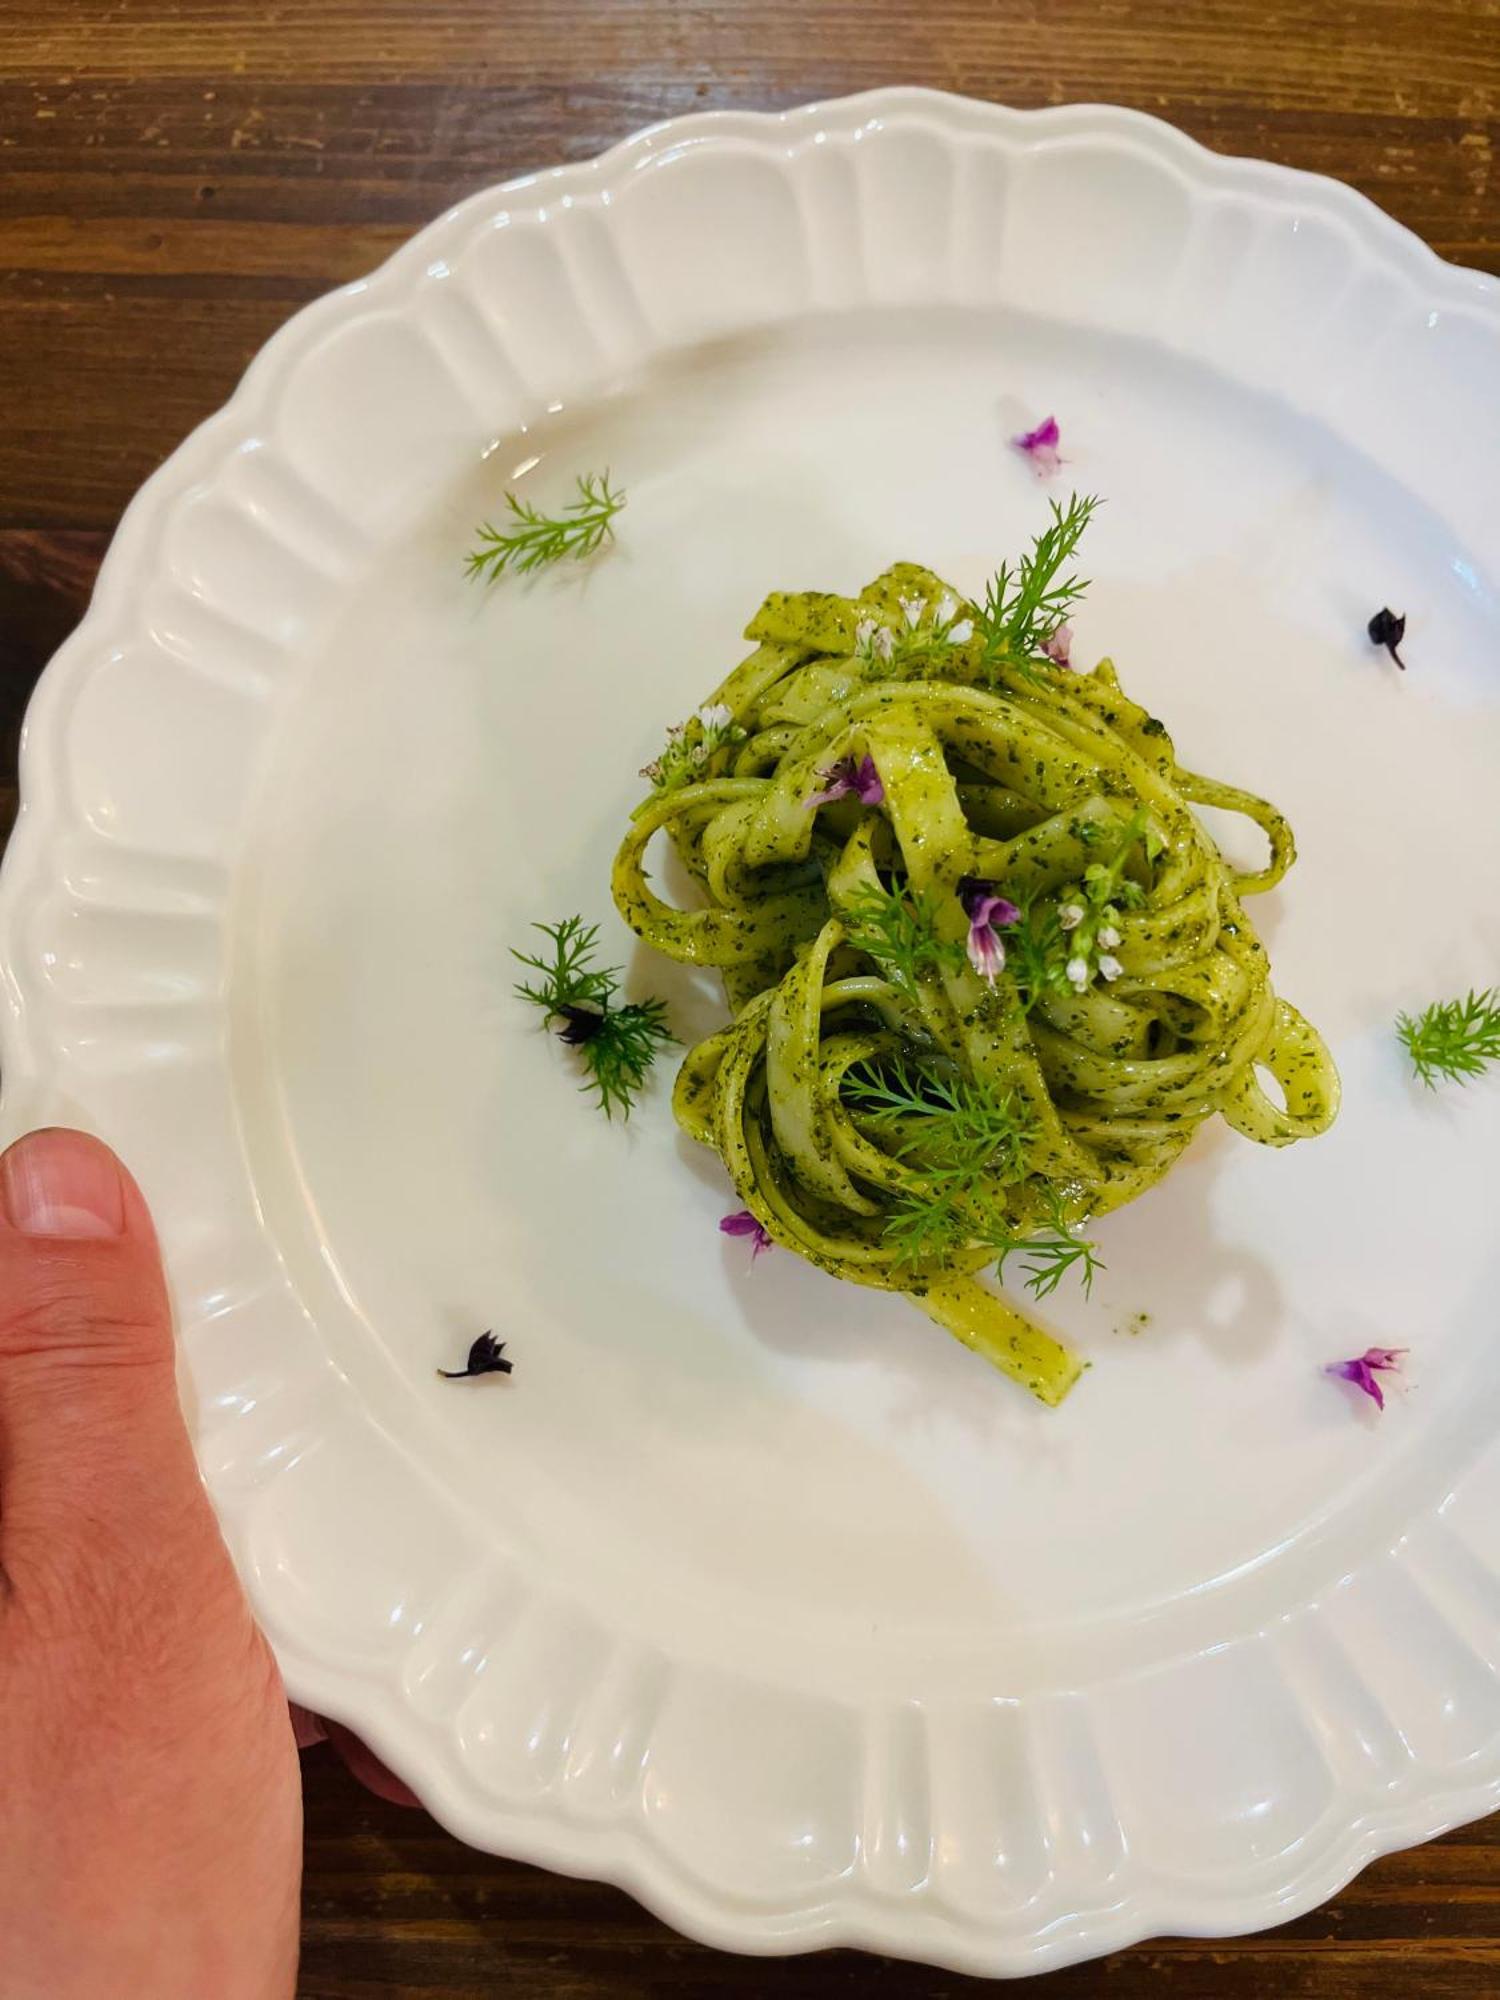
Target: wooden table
177, 176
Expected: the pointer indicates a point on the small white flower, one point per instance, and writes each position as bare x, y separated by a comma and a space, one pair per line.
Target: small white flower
1109, 967
1070, 916
1078, 973
964, 629
945, 607
911, 610
864, 635
715, 715
885, 643
1109, 937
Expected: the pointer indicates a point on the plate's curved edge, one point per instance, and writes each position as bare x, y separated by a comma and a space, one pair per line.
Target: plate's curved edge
623, 1852
601, 1855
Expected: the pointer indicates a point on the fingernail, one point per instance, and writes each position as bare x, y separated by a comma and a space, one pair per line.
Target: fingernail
62, 1184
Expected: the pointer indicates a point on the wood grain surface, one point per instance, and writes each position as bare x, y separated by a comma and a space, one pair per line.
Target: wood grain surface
175, 179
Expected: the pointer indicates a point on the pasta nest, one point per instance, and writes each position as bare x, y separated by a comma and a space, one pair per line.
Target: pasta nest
843, 927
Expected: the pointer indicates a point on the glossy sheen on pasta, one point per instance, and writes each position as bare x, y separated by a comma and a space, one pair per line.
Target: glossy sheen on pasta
1022, 775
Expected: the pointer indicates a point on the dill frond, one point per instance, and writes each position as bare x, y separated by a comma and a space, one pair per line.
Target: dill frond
1453, 1039
1024, 608
617, 1044
533, 539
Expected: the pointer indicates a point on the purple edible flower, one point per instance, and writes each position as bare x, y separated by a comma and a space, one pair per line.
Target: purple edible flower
1364, 1370
848, 780
1058, 648
1040, 446
743, 1223
988, 912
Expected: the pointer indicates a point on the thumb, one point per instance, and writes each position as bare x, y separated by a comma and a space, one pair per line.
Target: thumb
93, 1450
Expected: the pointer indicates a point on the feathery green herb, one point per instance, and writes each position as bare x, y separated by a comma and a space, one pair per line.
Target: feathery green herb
1454, 1039
964, 1139
566, 977
897, 927
964, 1129
1051, 1252
532, 539
620, 1052
954, 1134
1024, 608
618, 1045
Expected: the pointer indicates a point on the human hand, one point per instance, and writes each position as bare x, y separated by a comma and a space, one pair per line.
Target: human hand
151, 1828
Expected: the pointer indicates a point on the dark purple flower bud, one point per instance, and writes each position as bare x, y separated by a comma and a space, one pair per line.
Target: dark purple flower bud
1386, 629
580, 1024
486, 1357
977, 895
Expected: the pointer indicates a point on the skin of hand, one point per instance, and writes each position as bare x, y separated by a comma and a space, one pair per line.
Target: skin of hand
150, 1803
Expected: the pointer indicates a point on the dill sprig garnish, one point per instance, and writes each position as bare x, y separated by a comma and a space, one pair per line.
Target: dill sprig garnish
922, 1228
962, 1131
1024, 608
567, 978
620, 1052
1051, 1252
533, 539
897, 928
1050, 1256
956, 1135
964, 1140
618, 1044
1454, 1039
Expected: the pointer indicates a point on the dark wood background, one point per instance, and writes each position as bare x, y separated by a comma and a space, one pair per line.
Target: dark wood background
177, 176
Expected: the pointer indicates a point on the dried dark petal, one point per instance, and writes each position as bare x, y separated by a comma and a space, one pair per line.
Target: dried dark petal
1386, 629
581, 1024
486, 1357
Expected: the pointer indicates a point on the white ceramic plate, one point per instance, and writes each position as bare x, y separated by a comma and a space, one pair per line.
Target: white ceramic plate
751, 1592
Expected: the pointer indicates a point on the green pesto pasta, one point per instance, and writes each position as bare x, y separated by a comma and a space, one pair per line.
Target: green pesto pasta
988, 972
